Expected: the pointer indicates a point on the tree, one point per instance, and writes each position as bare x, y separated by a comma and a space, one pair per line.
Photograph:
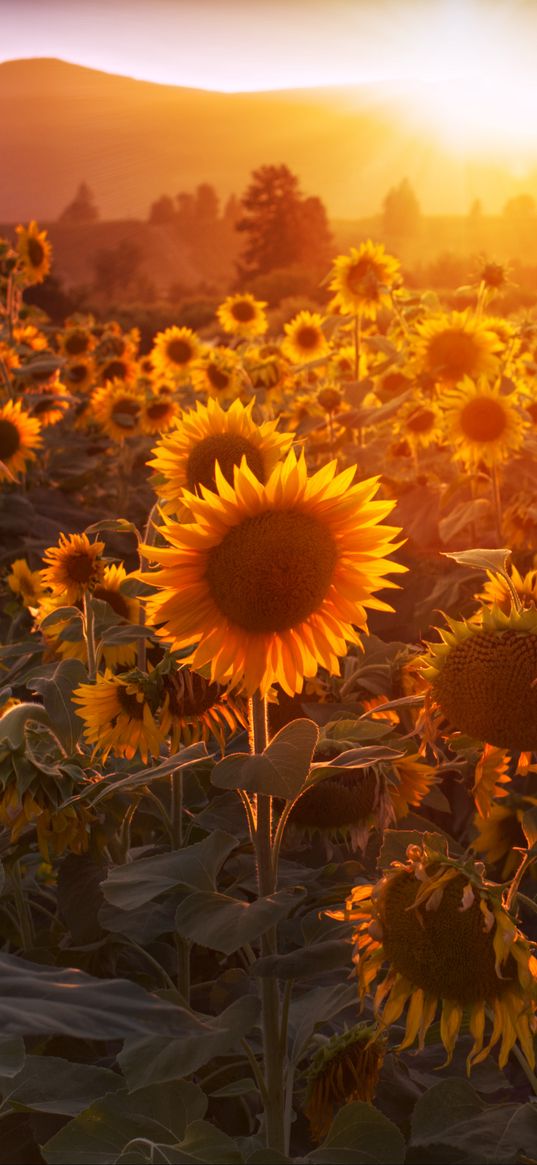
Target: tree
206, 208
401, 214
83, 208
521, 208
162, 211
282, 227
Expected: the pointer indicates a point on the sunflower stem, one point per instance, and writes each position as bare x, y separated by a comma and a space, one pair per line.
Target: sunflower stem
89, 636
528, 860
270, 995
24, 917
497, 501
357, 340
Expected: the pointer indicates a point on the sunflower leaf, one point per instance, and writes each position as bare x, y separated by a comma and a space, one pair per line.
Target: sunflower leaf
366, 1132
13, 724
225, 924
482, 559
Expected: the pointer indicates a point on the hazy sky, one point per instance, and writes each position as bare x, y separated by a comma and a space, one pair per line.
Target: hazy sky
269, 44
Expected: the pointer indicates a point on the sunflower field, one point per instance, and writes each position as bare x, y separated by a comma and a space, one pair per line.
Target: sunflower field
268, 728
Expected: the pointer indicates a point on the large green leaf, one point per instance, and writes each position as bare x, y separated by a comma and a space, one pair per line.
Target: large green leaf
203, 1038
40, 1000
280, 771
305, 962
13, 723
224, 924
452, 1114
50, 1084
57, 692
371, 1138
130, 886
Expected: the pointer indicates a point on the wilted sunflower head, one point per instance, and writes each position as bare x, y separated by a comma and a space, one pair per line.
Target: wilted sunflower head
364, 279
454, 345
243, 315
345, 806
500, 836
345, 1068
74, 567
304, 338
34, 251
482, 677
207, 435
447, 942
20, 437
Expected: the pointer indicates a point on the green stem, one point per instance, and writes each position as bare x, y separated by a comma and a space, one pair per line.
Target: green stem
89, 636
24, 917
270, 995
497, 502
357, 342
176, 788
148, 539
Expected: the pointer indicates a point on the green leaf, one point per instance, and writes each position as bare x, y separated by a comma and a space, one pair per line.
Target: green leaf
493, 560
41, 1000
205, 1143
57, 692
50, 1084
318, 1005
442, 1107
305, 962
367, 1133
354, 759
280, 771
130, 886
13, 724
225, 924
101, 1132
59, 616
12, 1053
114, 525
236, 1088
203, 1038
183, 759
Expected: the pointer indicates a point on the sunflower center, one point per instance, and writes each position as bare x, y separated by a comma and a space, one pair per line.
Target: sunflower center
179, 351
129, 704
329, 399
446, 951
115, 369
483, 419
76, 343
80, 567
76, 373
9, 439
394, 383
486, 688
217, 377
226, 448
307, 337
243, 311
272, 571
158, 409
452, 353
115, 600
36, 252
362, 276
420, 421
338, 802
191, 695
125, 413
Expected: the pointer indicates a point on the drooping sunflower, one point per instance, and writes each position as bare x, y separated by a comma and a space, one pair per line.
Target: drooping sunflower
174, 352
346, 1068
304, 338
25, 582
330, 399
243, 315
20, 437
482, 677
159, 414
59, 830
481, 423
267, 369
363, 279
219, 374
273, 579
194, 709
118, 715
412, 781
186, 458
73, 567
346, 806
454, 345
35, 252
117, 408
449, 943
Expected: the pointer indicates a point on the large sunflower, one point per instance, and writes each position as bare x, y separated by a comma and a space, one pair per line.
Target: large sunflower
482, 677
35, 252
174, 352
454, 345
273, 579
186, 458
117, 407
448, 942
481, 423
304, 338
19, 439
363, 279
119, 717
243, 315
74, 567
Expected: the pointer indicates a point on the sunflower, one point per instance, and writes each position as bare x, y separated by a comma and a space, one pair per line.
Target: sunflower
330, 399
75, 341
19, 439
174, 352
117, 407
363, 280
119, 717
219, 374
243, 315
449, 942
452, 346
343, 363
412, 781
50, 403
116, 368
519, 522
273, 579
74, 567
109, 591
346, 806
186, 458
267, 369
418, 422
482, 677
58, 830
25, 582
194, 709
159, 414
79, 375
304, 338
345, 1068
500, 835
35, 252
31, 337
481, 423
497, 592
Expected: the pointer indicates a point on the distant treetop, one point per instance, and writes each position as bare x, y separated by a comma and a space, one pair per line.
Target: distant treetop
83, 207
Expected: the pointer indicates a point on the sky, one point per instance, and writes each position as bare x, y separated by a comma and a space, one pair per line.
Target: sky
234, 45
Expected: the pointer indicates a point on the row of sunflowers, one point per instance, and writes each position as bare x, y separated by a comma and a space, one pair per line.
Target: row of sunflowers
229, 769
